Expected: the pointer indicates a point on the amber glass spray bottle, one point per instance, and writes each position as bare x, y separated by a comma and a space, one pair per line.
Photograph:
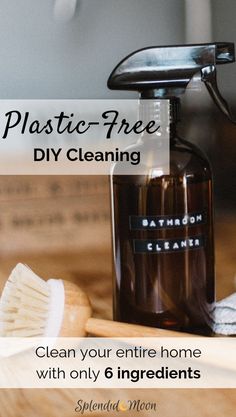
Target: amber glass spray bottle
163, 224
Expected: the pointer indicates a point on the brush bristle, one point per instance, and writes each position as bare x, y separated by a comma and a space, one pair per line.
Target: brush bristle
24, 304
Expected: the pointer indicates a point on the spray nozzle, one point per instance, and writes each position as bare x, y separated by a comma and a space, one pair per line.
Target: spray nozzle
165, 71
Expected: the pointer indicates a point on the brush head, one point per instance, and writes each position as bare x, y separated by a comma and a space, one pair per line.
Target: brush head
29, 306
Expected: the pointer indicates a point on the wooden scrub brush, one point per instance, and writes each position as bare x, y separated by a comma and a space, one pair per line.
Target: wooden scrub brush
30, 306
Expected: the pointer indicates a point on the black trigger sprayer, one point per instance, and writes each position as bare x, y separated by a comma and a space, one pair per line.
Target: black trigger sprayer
163, 224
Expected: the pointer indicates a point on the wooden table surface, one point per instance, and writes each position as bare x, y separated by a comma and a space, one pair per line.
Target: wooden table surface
93, 272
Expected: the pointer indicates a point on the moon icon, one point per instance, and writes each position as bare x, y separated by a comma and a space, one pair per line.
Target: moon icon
123, 406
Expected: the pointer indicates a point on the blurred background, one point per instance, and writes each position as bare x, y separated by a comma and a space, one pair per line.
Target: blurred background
45, 55
60, 226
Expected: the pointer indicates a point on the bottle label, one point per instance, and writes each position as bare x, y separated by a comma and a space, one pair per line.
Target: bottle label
166, 222
168, 245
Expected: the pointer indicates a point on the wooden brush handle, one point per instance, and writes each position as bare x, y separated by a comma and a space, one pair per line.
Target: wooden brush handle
107, 328
77, 321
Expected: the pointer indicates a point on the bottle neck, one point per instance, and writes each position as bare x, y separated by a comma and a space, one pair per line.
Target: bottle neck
165, 112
